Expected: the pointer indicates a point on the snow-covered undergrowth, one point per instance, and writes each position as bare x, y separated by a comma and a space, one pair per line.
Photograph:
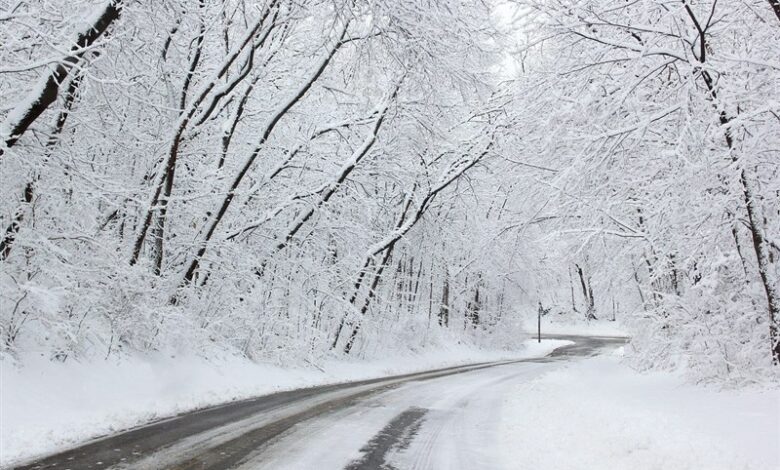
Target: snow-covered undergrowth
729, 351
600, 414
46, 406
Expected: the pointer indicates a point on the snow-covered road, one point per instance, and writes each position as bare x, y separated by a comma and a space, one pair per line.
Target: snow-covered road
448, 423
558, 412
420, 417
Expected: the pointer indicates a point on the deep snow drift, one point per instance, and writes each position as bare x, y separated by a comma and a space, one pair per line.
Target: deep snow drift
48, 406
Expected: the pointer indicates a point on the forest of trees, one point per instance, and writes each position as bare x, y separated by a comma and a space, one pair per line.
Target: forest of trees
292, 180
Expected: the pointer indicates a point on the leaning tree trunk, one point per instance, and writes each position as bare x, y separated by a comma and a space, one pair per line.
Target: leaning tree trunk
199, 102
447, 179
369, 261
591, 301
775, 4
371, 294
158, 232
587, 293
9, 235
45, 93
267, 131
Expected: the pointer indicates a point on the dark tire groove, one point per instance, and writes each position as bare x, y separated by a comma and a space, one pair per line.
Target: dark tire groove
396, 435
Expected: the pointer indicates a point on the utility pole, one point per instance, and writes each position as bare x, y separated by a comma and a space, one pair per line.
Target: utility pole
539, 324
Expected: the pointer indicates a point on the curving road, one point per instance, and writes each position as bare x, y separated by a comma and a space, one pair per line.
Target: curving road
436, 419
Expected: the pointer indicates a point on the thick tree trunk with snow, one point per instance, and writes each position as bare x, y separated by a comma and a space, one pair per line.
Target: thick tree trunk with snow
45, 92
9, 237
775, 4
28, 195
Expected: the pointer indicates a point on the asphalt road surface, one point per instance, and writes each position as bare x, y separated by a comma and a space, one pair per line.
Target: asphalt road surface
430, 420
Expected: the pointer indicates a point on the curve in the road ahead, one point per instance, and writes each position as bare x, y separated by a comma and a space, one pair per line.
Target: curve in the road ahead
220, 437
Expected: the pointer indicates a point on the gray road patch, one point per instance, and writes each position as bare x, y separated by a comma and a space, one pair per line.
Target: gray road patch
395, 436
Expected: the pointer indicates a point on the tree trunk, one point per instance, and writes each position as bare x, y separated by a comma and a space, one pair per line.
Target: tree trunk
639, 287
775, 4
188, 115
9, 237
591, 301
761, 246
444, 309
275, 118
370, 296
363, 272
571, 283
42, 96
587, 293
476, 306
162, 215
29, 189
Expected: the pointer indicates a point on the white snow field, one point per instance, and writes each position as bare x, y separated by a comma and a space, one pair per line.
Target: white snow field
46, 406
599, 414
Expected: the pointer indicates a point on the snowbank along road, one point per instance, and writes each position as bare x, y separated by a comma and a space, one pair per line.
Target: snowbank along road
438, 419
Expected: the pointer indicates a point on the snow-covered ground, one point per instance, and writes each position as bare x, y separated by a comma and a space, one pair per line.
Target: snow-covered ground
600, 414
48, 406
